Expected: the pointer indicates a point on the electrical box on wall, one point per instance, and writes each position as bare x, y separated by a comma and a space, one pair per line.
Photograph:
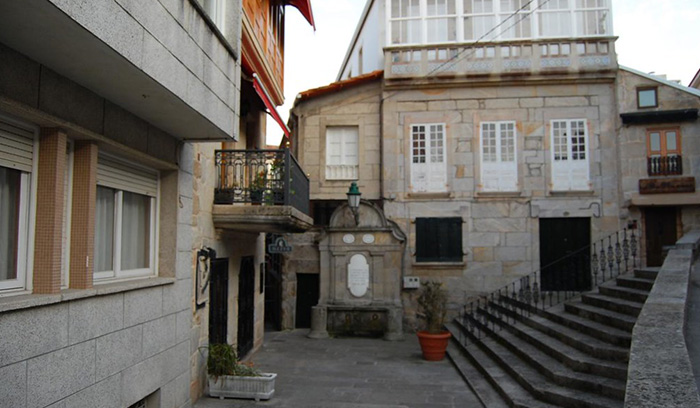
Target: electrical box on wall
411, 282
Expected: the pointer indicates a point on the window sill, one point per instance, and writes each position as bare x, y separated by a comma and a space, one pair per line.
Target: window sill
571, 193
430, 196
24, 300
499, 194
439, 265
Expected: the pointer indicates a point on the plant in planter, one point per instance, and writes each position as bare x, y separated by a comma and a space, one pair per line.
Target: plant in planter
229, 378
257, 186
432, 305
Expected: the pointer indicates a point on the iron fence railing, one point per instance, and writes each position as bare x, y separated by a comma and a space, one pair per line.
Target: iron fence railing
553, 284
266, 177
665, 165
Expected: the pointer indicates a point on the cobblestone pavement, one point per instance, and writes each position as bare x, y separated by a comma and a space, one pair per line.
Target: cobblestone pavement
353, 373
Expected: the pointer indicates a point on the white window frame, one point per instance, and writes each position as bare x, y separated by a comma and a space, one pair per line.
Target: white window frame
117, 273
348, 168
499, 174
570, 171
27, 215
570, 15
430, 173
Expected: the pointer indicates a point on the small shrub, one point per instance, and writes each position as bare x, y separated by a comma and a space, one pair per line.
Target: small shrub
432, 304
223, 360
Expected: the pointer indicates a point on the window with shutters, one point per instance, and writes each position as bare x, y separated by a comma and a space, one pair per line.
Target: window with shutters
439, 239
569, 146
499, 166
125, 220
428, 163
16, 161
342, 153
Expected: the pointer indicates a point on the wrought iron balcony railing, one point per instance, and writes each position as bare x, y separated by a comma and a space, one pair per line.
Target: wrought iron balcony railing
266, 177
571, 275
665, 165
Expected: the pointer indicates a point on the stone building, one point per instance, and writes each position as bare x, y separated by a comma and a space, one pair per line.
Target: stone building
488, 132
100, 105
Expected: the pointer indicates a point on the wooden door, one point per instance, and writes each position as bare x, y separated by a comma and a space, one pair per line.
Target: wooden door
660, 230
246, 305
565, 254
218, 301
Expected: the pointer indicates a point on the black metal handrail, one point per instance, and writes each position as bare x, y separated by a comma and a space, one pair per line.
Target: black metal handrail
665, 165
266, 177
577, 272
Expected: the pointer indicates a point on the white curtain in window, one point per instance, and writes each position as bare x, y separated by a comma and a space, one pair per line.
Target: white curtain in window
9, 220
136, 226
104, 229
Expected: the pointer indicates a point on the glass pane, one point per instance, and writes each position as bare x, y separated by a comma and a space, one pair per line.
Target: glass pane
671, 145
10, 180
104, 229
647, 98
136, 231
655, 142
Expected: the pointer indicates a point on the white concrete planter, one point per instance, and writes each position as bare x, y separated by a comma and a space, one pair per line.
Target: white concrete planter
230, 386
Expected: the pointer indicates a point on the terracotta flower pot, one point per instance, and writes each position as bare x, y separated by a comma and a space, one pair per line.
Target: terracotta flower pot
433, 345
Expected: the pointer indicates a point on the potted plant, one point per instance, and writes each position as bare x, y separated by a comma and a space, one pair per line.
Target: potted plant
257, 186
230, 378
432, 305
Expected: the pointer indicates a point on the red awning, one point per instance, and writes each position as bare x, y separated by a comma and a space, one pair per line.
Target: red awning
260, 89
304, 7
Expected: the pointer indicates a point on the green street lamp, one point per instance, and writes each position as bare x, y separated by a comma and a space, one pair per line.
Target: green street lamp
354, 201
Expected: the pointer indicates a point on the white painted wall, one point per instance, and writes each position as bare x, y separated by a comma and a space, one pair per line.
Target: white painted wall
370, 37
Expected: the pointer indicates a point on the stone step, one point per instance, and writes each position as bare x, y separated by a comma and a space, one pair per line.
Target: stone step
605, 333
487, 394
647, 273
553, 369
600, 315
538, 384
635, 282
634, 295
570, 356
577, 339
505, 386
612, 303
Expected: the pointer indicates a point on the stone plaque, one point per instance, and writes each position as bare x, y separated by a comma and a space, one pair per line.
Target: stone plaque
368, 239
348, 238
358, 275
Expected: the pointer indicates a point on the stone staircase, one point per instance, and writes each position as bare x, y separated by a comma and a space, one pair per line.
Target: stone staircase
572, 354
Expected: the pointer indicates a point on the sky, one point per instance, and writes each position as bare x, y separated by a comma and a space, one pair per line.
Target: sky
659, 36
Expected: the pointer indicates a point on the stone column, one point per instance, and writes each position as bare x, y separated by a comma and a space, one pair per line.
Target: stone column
319, 323
394, 320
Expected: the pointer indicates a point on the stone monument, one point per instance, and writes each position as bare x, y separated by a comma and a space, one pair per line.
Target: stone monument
361, 275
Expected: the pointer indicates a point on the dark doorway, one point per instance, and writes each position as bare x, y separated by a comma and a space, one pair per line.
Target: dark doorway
246, 305
307, 297
565, 254
218, 301
660, 226
273, 287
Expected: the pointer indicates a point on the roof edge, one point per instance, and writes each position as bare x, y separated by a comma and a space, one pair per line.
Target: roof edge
692, 91
355, 36
338, 86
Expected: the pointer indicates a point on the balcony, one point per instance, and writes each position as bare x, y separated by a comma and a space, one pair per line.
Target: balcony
665, 165
261, 191
532, 57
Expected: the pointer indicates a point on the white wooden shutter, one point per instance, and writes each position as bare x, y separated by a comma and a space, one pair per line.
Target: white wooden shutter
16, 147
499, 165
570, 169
124, 176
342, 153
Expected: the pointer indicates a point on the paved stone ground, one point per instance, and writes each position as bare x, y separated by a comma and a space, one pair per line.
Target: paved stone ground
353, 373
